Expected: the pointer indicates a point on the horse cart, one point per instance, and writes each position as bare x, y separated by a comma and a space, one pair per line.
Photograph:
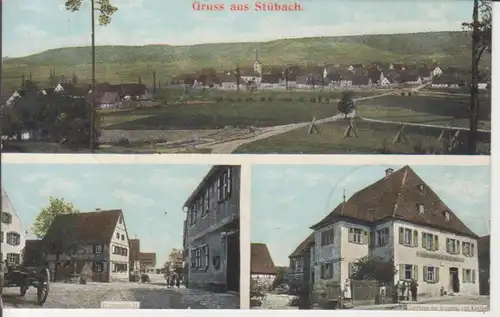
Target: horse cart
24, 277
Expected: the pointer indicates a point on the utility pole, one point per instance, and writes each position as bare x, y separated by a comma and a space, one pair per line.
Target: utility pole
91, 118
154, 81
474, 106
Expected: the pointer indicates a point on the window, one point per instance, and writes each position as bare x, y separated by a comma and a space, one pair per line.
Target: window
117, 235
382, 237
326, 270
446, 215
13, 258
299, 265
97, 267
421, 188
120, 267
194, 213
431, 274
327, 237
6, 217
13, 238
201, 203
357, 235
408, 272
408, 237
206, 257
452, 246
430, 242
98, 248
193, 259
123, 237
121, 220
206, 204
216, 262
1, 236
468, 276
421, 209
198, 258
219, 190
468, 249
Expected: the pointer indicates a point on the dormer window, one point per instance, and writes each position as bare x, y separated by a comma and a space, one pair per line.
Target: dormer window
421, 188
421, 209
446, 215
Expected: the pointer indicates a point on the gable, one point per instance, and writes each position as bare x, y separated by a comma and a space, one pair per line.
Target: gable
120, 235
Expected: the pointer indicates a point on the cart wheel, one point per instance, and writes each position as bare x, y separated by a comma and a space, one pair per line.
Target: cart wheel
43, 288
22, 290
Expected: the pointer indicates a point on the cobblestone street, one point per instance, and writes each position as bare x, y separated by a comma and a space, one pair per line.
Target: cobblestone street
149, 295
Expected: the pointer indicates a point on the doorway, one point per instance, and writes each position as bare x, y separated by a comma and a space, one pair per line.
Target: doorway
454, 280
233, 262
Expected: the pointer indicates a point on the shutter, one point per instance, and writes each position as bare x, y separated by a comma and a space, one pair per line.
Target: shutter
463, 276
366, 237
473, 276
415, 238
463, 248
229, 183
424, 272
458, 247
94, 248
436, 243
401, 236
415, 272
349, 270
322, 270
472, 251
436, 273
424, 235
351, 235
401, 271
372, 239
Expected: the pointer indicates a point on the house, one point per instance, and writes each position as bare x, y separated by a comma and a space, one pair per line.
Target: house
399, 220
446, 81
212, 246
47, 91
262, 269
135, 250
96, 240
270, 81
23, 93
297, 260
424, 73
387, 82
228, 81
436, 72
250, 75
483, 252
71, 90
361, 81
12, 235
410, 79
147, 262
106, 100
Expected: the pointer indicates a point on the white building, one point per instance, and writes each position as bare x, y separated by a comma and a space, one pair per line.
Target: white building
97, 239
12, 235
262, 269
398, 219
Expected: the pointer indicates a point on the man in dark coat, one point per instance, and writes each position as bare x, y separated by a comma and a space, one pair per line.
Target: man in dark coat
413, 290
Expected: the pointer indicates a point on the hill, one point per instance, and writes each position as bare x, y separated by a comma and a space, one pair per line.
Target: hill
127, 63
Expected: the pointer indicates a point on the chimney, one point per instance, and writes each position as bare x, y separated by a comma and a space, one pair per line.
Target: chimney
388, 172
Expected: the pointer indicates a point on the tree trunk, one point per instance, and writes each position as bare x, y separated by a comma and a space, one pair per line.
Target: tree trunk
474, 95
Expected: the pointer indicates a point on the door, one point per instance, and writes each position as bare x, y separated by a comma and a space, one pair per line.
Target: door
454, 280
233, 263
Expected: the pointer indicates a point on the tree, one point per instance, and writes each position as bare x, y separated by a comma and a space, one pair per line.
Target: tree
481, 26
238, 78
376, 269
346, 103
57, 206
175, 259
106, 9
280, 277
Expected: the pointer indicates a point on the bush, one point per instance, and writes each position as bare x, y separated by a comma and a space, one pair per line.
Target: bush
249, 99
219, 98
402, 94
312, 99
270, 99
124, 142
319, 99
144, 278
262, 99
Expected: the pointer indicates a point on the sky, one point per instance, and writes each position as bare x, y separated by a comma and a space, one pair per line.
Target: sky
151, 196
288, 199
32, 26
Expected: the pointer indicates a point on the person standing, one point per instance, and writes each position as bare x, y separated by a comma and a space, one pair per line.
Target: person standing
414, 289
403, 290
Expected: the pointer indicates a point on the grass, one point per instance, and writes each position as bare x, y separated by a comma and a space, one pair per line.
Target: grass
435, 109
373, 139
128, 63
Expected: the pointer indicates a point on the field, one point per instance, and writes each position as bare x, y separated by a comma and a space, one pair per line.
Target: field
128, 63
373, 139
203, 112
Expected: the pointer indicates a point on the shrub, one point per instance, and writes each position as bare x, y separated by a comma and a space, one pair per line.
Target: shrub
124, 142
219, 98
312, 99
402, 94
250, 99
270, 98
262, 98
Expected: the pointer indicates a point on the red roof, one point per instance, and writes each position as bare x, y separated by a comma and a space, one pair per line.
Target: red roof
397, 196
260, 260
303, 246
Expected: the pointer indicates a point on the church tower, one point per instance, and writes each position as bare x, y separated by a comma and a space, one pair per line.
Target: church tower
257, 66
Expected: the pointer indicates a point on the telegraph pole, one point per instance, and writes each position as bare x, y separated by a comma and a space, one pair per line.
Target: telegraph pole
91, 118
474, 107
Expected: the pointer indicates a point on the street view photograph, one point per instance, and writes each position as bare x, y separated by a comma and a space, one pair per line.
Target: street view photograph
120, 236
337, 77
370, 237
